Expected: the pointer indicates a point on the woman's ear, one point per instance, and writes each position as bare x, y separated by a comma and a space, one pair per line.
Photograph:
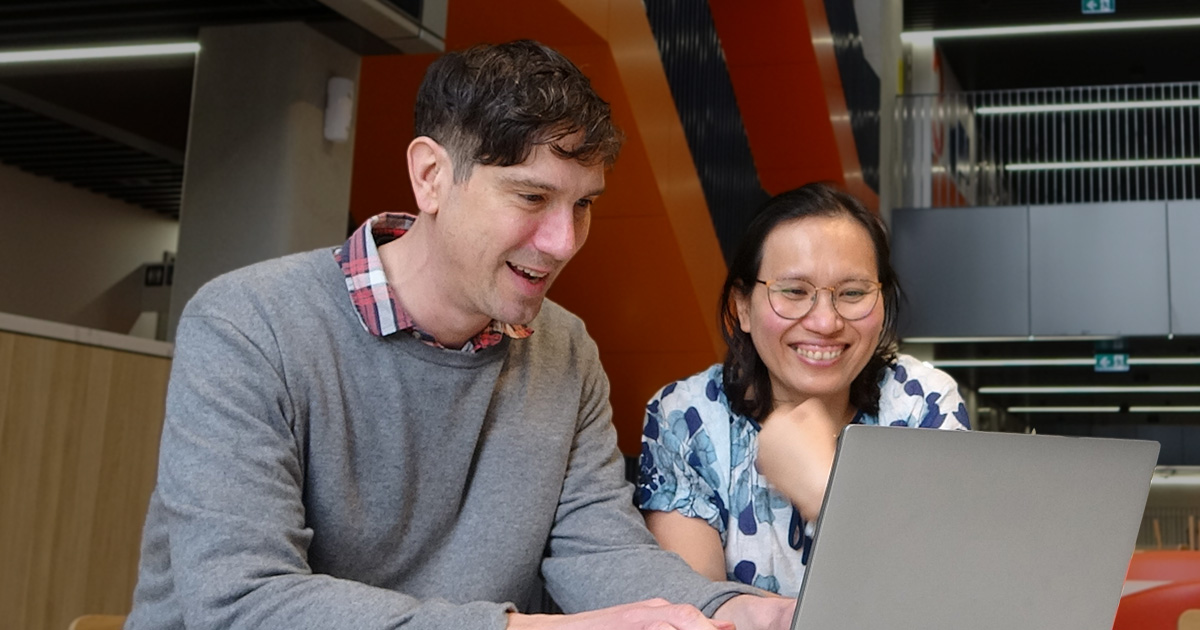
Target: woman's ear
430, 171
741, 303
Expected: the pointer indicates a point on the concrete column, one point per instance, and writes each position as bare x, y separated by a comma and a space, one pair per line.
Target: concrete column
260, 179
891, 56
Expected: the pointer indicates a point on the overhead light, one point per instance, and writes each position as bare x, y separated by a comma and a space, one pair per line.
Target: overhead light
1044, 29
961, 363
1095, 389
1176, 476
1008, 339
1084, 107
1067, 166
1111, 409
99, 52
1152, 409
1082, 362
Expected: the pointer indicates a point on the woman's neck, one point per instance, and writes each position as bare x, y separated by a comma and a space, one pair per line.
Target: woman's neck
837, 406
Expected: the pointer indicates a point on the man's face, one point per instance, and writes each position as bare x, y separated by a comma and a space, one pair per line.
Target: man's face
507, 231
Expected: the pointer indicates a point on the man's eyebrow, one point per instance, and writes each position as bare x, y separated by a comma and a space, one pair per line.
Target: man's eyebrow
522, 182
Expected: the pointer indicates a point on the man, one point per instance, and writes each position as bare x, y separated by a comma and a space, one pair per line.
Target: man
402, 432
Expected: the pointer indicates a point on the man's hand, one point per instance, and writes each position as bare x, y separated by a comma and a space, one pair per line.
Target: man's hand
652, 614
795, 453
751, 612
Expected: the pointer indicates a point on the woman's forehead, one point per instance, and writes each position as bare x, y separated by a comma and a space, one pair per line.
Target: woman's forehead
811, 245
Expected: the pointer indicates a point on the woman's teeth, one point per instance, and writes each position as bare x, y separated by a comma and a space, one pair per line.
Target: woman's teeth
819, 355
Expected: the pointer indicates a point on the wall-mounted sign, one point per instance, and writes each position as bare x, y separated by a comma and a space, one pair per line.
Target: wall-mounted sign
1112, 363
1098, 6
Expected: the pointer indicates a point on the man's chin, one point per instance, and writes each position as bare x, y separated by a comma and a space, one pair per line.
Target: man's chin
523, 314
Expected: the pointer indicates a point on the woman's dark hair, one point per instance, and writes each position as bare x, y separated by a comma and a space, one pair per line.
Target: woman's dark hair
747, 383
492, 104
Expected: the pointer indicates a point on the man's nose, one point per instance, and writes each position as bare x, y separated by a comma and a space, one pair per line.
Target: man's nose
557, 234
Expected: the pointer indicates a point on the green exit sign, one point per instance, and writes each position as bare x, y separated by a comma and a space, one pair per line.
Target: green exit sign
1090, 7
1112, 363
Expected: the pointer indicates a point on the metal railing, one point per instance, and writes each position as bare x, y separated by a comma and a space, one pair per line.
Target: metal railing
1048, 146
1169, 528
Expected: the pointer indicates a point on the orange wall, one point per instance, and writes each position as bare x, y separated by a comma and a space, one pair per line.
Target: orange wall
785, 76
648, 279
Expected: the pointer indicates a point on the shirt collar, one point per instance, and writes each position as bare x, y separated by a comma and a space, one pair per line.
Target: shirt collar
378, 310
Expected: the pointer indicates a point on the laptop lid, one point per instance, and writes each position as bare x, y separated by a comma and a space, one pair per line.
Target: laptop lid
928, 529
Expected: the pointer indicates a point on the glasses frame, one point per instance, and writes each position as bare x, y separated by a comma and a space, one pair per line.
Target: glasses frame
817, 295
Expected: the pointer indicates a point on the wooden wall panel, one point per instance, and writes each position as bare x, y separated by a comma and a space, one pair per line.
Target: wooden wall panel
79, 431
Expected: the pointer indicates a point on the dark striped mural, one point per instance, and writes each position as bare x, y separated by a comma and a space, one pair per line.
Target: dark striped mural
860, 84
695, 67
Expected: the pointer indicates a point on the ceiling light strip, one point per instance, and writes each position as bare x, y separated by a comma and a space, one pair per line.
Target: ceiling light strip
1011, 338
1081, 362
963, 363
1095, 389
99, 52
1070, 166
1084, 107
1108, 409
1046, 29
1165, 361
1152, 409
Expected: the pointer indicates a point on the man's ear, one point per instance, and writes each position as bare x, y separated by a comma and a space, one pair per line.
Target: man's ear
430, 172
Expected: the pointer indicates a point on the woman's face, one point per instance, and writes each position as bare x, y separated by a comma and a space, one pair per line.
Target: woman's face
819, 354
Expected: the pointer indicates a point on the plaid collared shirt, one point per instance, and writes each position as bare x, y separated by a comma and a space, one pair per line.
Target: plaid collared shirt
378, 310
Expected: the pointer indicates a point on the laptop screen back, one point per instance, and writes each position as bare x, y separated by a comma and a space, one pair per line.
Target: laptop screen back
937, 529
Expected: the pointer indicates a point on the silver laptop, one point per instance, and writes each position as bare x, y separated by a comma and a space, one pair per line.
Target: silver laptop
947, 530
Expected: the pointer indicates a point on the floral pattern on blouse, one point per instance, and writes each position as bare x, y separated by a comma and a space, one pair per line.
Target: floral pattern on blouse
698, 457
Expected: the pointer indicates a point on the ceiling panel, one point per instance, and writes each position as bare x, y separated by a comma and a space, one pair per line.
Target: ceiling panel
924, 15
118, 128
59, 22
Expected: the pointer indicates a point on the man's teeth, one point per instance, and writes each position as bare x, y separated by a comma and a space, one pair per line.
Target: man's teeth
819, 355
529, 273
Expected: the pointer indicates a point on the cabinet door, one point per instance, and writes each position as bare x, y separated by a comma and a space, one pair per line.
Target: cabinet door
1183, 239
965, 271
1098, 269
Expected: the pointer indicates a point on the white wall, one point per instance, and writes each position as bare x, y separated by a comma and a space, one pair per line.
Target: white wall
67, 254
260, 179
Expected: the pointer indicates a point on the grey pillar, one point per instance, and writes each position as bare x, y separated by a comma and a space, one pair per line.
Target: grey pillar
260, 179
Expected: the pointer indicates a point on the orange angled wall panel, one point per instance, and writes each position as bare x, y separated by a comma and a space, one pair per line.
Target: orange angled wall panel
780, 59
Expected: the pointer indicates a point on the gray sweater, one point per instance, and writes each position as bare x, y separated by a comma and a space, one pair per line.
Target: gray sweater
312, 475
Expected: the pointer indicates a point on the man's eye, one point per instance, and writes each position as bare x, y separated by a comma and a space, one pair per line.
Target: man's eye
584, 204
533, 198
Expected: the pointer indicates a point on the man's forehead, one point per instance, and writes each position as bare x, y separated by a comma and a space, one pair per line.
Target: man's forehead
544, 169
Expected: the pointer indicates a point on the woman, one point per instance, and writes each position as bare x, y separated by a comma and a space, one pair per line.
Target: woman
735, 459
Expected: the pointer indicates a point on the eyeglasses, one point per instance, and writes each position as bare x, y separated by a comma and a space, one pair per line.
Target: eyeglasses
793, 298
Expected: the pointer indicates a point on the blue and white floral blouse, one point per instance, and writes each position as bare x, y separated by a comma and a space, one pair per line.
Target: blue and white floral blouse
698, 459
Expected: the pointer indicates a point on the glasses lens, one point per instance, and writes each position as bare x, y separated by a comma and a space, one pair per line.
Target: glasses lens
791, 298
794, 298
855, 299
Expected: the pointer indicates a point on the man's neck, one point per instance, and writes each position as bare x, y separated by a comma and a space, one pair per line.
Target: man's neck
417, 280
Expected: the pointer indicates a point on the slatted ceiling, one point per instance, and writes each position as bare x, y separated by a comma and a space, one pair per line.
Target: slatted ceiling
43, 146
924, 15
29, 23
